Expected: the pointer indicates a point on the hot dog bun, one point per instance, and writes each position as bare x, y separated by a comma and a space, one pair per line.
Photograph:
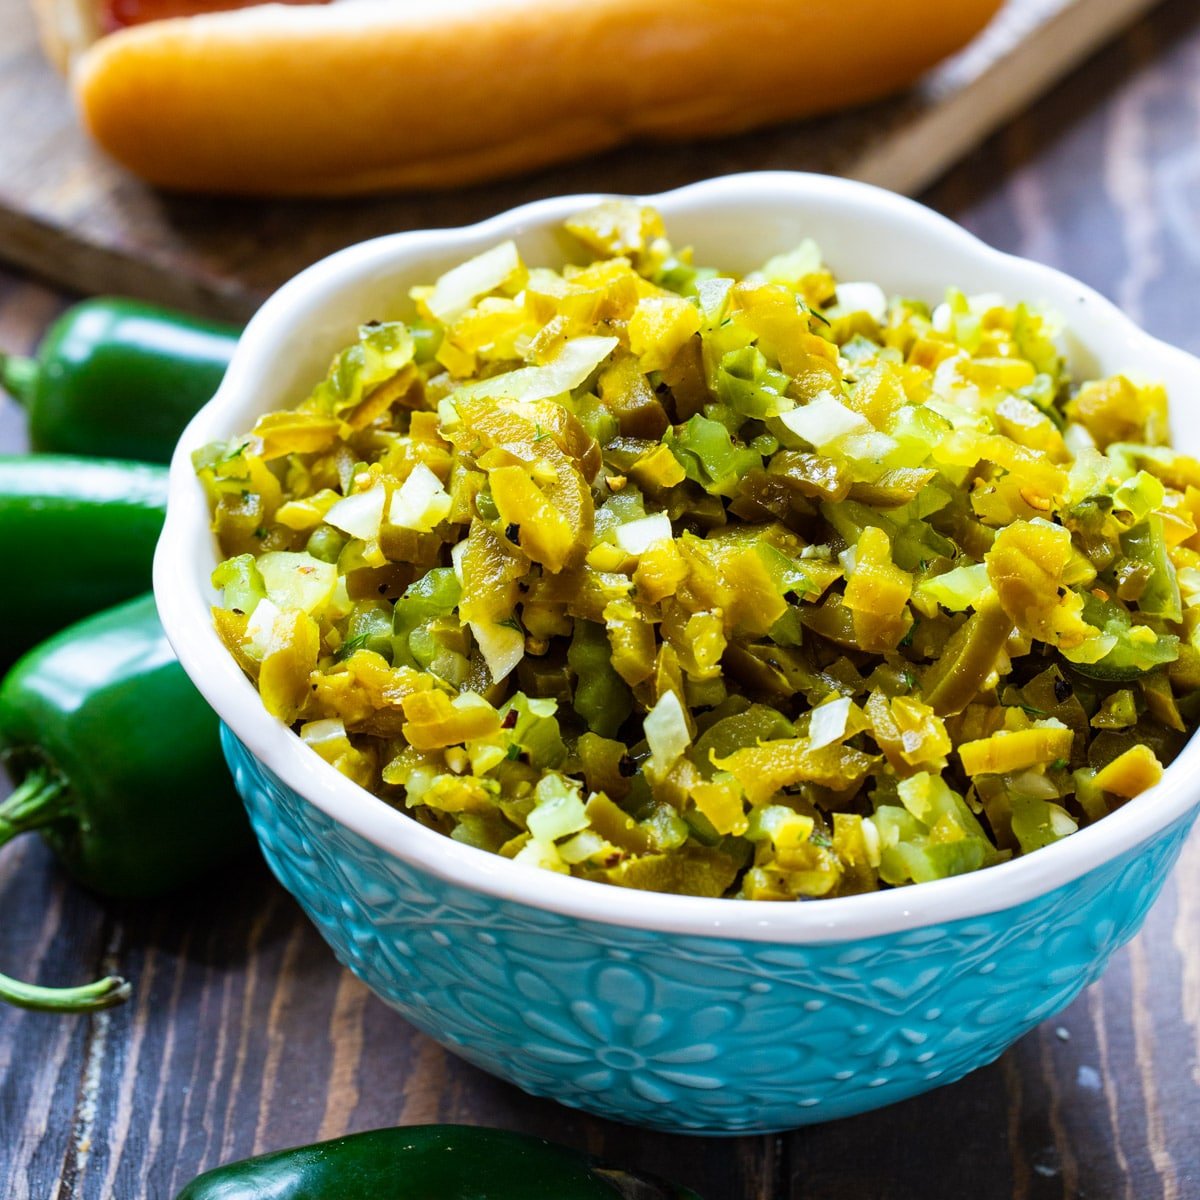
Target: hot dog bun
370, 95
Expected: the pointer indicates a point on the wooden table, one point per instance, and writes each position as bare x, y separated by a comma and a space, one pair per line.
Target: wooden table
244, 1035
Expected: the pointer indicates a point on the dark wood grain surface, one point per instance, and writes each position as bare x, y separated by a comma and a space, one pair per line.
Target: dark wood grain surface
244, 1035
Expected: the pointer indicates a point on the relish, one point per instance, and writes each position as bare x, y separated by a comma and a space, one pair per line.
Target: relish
769, 588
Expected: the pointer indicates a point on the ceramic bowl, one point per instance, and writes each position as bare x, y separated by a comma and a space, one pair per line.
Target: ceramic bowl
687, 1014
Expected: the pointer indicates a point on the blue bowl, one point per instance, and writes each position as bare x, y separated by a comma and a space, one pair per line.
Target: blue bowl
689, 1033
686, 1014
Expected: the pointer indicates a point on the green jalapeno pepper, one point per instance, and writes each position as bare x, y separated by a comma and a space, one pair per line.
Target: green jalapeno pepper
117, 764
116, 378
76, 535
429, 1162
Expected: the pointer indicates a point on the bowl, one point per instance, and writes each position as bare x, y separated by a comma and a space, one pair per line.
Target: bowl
681, 1013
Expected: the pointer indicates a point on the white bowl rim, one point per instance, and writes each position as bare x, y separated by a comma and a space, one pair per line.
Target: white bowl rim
187, 622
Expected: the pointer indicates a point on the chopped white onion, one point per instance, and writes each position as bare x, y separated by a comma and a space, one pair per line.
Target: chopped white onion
574, 362
459, 288
635, 537
861, 297
261, 627
502, 647
297, 581
361, 514
456, 559
828, 723
420, 503
666, 733
823, 420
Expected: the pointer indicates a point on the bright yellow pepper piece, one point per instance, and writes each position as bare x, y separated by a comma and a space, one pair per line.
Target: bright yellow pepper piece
491, 568
659, 327
1130, 773
1027, 564
657, 470
291, 655
659, 572
1016, 750
434, 720
541, 530
878, 593
764, 769
720, 800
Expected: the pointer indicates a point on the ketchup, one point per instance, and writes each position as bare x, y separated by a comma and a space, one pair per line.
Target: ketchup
116, 14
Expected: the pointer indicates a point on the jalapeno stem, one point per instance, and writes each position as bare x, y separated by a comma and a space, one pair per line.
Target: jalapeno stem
91, 997
19, 376
40, 800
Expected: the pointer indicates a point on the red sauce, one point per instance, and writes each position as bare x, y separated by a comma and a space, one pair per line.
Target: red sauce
116, 14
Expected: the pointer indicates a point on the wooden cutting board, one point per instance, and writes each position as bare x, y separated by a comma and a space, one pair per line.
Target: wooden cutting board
69, 214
